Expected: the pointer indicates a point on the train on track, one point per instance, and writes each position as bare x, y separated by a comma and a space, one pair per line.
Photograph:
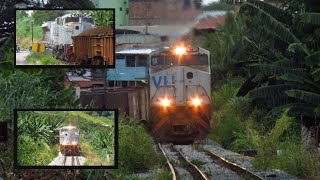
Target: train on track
180, 101
69, 141
74, 39
167, 88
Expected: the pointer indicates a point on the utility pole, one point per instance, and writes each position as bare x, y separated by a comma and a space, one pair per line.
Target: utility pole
32, 21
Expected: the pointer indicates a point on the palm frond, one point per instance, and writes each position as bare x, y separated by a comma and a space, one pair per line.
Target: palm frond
286, 63
298, 48
273, 23
270, 69
279, 14
249, 85
299, 108
273, 95
301, 80
306, 96
310, 17
313, 59
316, 74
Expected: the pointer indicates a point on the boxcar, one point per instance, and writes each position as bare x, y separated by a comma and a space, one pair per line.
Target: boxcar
94, 46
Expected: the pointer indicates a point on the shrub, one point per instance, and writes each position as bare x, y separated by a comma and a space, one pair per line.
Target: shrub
136, 150
42, 59
34, 153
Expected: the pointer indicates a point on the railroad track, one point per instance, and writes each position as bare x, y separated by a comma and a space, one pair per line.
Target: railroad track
243, 172
195, 170
74, 161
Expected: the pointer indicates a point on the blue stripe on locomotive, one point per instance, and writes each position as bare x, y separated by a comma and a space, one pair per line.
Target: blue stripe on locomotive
124, 73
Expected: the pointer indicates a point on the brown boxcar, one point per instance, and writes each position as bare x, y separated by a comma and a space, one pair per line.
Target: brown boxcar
94, 46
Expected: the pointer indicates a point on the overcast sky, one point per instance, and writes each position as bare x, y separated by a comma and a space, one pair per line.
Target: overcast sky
205, 2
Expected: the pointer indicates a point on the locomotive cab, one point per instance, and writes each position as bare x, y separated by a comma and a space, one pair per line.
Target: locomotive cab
69, 141
180, 102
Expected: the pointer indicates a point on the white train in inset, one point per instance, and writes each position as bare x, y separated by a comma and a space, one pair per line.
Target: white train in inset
69, 141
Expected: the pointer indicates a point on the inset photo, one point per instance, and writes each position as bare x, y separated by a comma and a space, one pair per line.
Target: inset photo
65, 38
65, 138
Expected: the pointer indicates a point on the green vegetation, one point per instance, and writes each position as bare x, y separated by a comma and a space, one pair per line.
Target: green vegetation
267, 84
24, 32
102, 17
41, 59
136, 150
38, 138
94, 119
219, 6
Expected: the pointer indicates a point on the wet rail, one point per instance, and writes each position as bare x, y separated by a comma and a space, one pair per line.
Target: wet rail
232, 166
194, 170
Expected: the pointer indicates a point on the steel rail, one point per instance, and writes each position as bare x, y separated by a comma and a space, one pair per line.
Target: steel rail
173, 172
197, 170
232, 166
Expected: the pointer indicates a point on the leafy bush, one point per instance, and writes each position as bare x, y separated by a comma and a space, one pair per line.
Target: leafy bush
136, 150
219, 6
41, 59
34, 153
297, 160
269, 143
229, 112
39, 126
226, 91
24, 32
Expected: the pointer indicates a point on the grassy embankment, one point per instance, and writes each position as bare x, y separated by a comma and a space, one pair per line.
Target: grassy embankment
237, 125
36, 58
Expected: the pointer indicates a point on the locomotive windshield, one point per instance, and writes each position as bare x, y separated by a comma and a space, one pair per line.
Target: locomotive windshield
87, 19
198, 59
71, 19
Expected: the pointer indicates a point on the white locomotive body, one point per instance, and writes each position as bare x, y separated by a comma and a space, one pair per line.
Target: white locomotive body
69, 141
57, 34
180, 101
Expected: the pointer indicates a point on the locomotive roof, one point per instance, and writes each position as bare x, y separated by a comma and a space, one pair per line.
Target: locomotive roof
74, 15
136, 51
69, 127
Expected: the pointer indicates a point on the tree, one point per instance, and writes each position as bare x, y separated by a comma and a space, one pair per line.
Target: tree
21, 14
102, 17
79, 4
41, 16
286, 47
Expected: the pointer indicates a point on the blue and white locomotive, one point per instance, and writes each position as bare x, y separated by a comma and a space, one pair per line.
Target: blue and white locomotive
180, 101
177, 80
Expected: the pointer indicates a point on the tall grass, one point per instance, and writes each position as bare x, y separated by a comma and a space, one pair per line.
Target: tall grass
24, 32
136, 149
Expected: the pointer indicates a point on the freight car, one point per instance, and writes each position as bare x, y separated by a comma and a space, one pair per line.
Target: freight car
69, 141
94, 46
167, 88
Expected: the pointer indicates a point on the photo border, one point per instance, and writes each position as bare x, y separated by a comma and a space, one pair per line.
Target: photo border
15, 135
15, 65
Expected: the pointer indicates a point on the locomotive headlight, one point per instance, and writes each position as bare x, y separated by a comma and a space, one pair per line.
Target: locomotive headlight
74, 143
180, 50
196, 102
165, 102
